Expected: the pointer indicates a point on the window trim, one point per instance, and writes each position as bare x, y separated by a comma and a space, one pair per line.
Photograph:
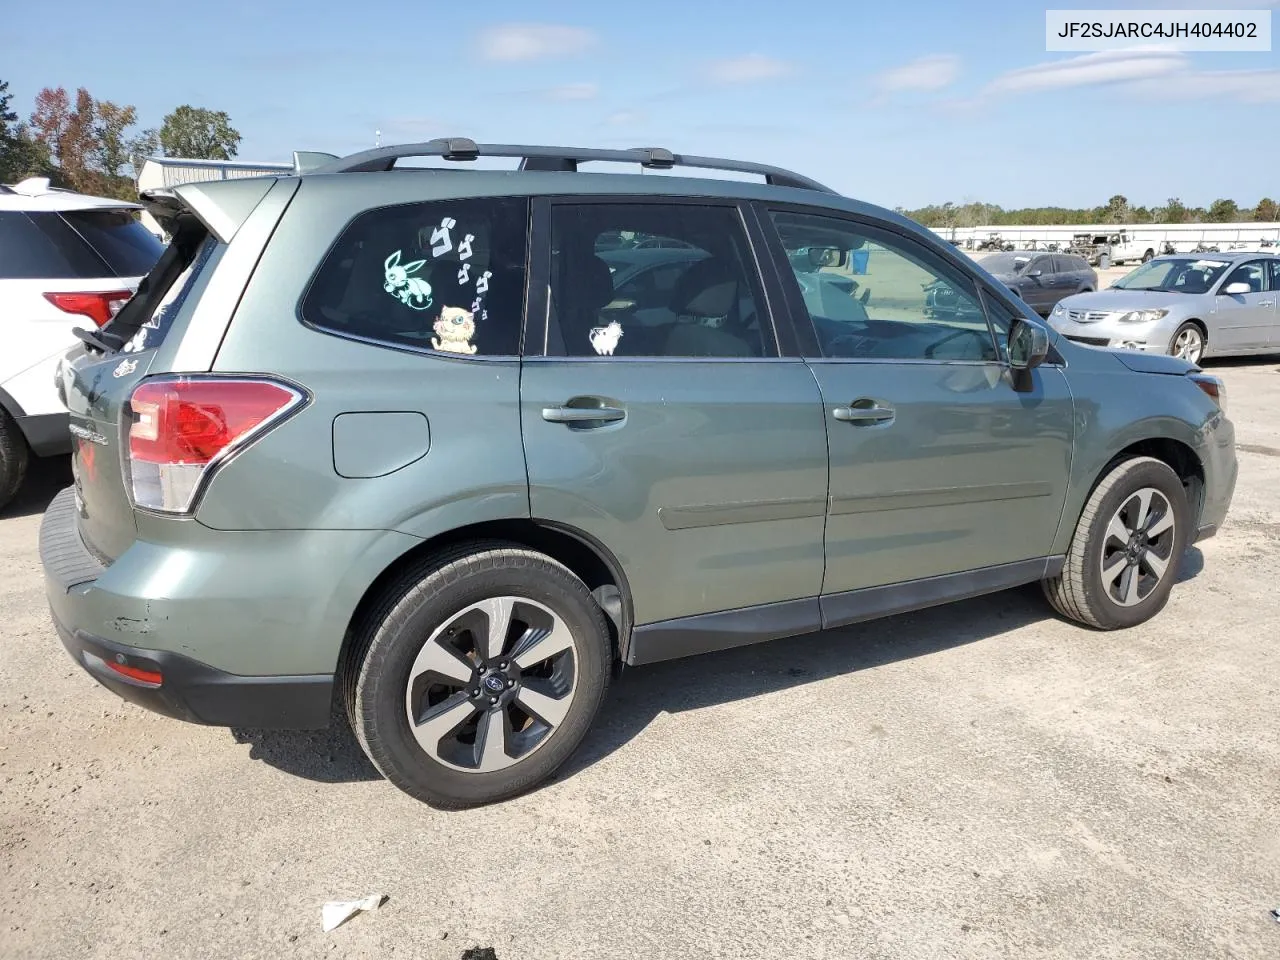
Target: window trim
795, 296
1266, 275
507, 358
539, 299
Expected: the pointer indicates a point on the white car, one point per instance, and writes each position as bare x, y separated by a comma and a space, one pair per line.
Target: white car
66, 261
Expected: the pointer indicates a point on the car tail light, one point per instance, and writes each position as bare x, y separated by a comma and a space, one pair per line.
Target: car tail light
180, 429
99, 307
1213, 386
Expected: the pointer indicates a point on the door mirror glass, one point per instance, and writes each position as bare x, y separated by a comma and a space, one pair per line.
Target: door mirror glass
1237, 288
827, 257
1028, 345
1035, 273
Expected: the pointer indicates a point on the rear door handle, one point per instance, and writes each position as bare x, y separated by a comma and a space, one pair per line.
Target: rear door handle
864, 411
582, 414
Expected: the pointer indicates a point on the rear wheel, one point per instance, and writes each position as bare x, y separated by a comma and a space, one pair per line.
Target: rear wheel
13, 458
1125, 552
1148, 255
1104, 261
1187, 343
479, 675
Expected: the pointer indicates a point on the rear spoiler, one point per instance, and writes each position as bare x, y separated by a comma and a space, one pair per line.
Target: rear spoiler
221, 205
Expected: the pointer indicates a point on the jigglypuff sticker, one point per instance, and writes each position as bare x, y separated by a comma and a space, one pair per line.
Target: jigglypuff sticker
604, 340
412, 291
454, 331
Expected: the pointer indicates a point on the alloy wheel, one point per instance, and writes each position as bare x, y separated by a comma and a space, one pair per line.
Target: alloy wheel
492, 684
1137, 550
1188, 345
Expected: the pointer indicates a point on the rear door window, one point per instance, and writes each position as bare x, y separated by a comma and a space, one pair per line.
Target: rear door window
42, 246
128, 248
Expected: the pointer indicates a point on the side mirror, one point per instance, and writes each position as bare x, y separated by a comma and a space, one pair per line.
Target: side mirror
1028, 347
1236, 289
1035, 273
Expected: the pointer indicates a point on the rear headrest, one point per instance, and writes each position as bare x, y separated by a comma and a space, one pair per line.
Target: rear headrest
585, 283
707, 289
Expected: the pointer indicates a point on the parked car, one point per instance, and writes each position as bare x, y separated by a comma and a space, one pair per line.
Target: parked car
1105, 250
394, 439
1040, 279
65, 260
1193, 307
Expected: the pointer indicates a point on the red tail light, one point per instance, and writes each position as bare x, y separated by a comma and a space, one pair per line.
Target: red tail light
99, 307
180, 429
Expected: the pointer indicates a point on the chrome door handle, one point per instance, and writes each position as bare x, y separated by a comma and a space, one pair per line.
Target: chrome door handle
1266, 303
864, 412
582, 414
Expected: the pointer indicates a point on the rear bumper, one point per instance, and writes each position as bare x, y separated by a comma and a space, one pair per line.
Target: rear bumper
196, 692
244, 628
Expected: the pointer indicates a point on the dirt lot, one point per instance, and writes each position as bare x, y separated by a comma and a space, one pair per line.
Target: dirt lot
975, 781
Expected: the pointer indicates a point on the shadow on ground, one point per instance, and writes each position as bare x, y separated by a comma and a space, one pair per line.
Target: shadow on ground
643, 693
46, 478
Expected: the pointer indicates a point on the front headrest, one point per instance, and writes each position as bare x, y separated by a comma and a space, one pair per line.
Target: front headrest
707, 289
585, 282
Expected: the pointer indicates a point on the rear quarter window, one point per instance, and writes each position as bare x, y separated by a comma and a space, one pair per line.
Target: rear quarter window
42, 246
445, 276
126, 246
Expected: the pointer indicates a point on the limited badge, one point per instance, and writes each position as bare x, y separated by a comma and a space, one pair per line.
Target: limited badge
454, 331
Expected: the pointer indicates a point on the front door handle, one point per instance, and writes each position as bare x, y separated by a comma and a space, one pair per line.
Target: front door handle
1266, 303
582, 414
864, 411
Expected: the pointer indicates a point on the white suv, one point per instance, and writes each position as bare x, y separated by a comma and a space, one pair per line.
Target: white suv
66, 261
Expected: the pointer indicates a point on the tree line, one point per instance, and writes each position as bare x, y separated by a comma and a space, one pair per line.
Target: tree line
1116, 210
96, 146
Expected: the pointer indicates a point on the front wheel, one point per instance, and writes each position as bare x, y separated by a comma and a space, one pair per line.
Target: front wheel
1148, 256
479, 675
1124, 555
1187, 343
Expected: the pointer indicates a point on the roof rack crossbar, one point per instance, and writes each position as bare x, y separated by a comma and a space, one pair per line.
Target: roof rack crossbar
560, 159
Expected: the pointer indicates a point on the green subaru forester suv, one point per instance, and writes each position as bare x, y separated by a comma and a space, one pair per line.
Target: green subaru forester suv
452, 445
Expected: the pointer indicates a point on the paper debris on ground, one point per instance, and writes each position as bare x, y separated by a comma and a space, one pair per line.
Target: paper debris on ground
337, 912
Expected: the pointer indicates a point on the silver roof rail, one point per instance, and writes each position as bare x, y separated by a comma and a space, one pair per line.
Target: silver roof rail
558, 158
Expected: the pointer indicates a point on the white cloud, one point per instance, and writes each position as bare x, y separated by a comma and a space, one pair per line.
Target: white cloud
752, 68
1090, 70
574, 91
1248, 86
533, 41
926, 73
625, 118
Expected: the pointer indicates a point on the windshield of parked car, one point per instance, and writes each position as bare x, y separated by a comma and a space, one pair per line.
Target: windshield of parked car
1005, 263
1182, 275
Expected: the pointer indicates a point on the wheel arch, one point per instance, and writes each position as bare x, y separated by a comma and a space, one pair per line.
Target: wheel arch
1180, 457
585, 556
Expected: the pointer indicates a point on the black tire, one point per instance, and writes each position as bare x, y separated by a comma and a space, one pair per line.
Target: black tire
1079, 592
1148, 256
13, 459
424, 599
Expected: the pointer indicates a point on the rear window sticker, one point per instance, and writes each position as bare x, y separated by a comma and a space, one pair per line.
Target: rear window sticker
464, 273
441, 242
482, 283
464, 248
604, 340
454, 331
124, 368
412, 291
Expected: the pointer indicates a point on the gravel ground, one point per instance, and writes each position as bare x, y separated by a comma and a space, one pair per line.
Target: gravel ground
974, 781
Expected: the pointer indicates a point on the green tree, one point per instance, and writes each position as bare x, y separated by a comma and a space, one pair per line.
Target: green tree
112, 147
1116, 210
1174, 211
1223, 211
145, 144
199, 134
1266, 210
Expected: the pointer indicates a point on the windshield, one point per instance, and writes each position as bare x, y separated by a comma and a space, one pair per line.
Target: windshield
1183, 275
1005, 263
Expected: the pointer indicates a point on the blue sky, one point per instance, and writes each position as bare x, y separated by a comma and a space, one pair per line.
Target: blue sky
895, 103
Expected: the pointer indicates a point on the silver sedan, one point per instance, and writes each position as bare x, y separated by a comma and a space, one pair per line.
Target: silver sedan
1190, 305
